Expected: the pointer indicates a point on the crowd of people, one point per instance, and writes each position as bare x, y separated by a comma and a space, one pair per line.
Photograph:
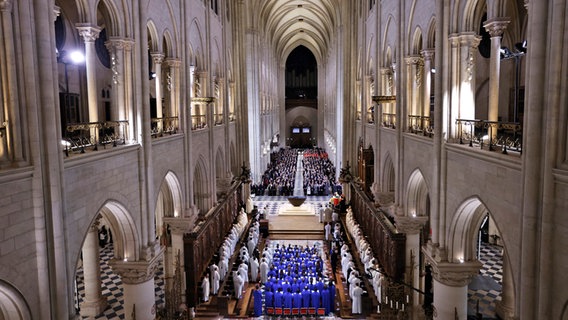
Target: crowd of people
319, 173
279, 177
295, 277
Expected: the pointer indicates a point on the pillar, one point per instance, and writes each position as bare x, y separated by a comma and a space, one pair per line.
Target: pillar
89, 34
174, 88
427, 55
495, 27
158, 58
94, 302
414, 82
118, 109
468, 42
138, 287
412, 226
454, 70
9, 110
505, 308
178, 227
450, 288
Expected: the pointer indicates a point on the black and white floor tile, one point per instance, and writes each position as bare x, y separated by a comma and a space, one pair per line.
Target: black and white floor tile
485, 289
112, 287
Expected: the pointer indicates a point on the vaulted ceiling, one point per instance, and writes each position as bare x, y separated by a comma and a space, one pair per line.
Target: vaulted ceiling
289, 23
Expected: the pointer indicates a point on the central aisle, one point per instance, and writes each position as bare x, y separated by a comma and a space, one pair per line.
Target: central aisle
299, 179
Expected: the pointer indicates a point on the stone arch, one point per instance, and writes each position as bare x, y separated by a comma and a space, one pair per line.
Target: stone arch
124, 231
200, 186
13, 306
168, 45
219, 163
431, 35
153, 43
196, 42
473, 12
111, 21
300, 121
169, 201
417, 42
417, 195
389, 175
463, 230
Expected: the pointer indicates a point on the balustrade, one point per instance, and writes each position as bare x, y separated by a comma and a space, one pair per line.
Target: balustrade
494, 135
420, 125
78, 136
218, 119
389, 120
198, 122
168, 125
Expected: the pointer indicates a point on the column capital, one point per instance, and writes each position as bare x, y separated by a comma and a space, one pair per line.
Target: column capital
455, 274
427, 54
413, 59
88, 32
173, 62
385, 71
410, 225
135, 272
6, 5
179, 225
469, 39
157, 57
117, 43
496, 26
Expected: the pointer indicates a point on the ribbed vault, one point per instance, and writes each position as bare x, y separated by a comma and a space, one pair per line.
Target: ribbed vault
288, 24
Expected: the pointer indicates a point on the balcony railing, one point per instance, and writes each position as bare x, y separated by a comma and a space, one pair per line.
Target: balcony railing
389, 120
370, 116
79, 137
232, 117
420, 125
166, 125
218, 119
198, 122
493, 135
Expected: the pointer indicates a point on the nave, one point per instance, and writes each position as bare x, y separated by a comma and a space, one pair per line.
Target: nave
487, 292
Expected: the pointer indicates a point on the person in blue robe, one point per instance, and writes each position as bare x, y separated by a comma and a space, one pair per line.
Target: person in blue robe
288, 299
268, 299
315, 299
278, 295
257, 298
325, 299
306, 295
297, 299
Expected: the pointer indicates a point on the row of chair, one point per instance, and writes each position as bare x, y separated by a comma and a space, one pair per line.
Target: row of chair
295, 311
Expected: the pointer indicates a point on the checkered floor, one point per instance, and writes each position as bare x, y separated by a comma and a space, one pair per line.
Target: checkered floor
112, 287
485, 289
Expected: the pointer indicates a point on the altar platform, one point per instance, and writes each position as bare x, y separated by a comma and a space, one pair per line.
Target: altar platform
305, 209
289, 226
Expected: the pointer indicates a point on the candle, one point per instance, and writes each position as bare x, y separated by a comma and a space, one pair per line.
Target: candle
379, 308
403, 307
391, 304
397, 305
407, 299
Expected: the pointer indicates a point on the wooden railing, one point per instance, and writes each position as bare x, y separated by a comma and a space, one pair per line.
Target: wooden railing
202, 243
389, 120
388, 244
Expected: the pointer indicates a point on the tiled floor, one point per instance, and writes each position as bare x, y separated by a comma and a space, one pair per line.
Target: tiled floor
485, 289
112, 286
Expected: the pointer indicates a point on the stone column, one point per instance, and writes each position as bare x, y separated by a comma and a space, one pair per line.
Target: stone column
450, 287
427, 55
138, 287
454, 69
118, 111
505, 308
178, 226
412, 226
468, 42
414, 77
9, 110
94, 302
158, 57
90, 34
174, 87
495, 27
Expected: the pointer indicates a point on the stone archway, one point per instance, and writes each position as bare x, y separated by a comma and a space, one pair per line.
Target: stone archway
13, 306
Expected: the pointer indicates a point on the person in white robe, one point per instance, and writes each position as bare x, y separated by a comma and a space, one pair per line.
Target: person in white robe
215, 279
205, 288
356, 303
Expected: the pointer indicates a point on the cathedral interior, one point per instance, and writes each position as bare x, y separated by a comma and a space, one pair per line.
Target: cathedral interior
139, 139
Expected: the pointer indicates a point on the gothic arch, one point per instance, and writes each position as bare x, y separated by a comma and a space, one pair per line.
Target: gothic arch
124, 230
417, 195
153, 37
110, 17
463, 230
417, 42
196, 42
431, 35
219, 163
200, 186
388, 180
168, 46
168, 202
13, 306
473, 13
233, 160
